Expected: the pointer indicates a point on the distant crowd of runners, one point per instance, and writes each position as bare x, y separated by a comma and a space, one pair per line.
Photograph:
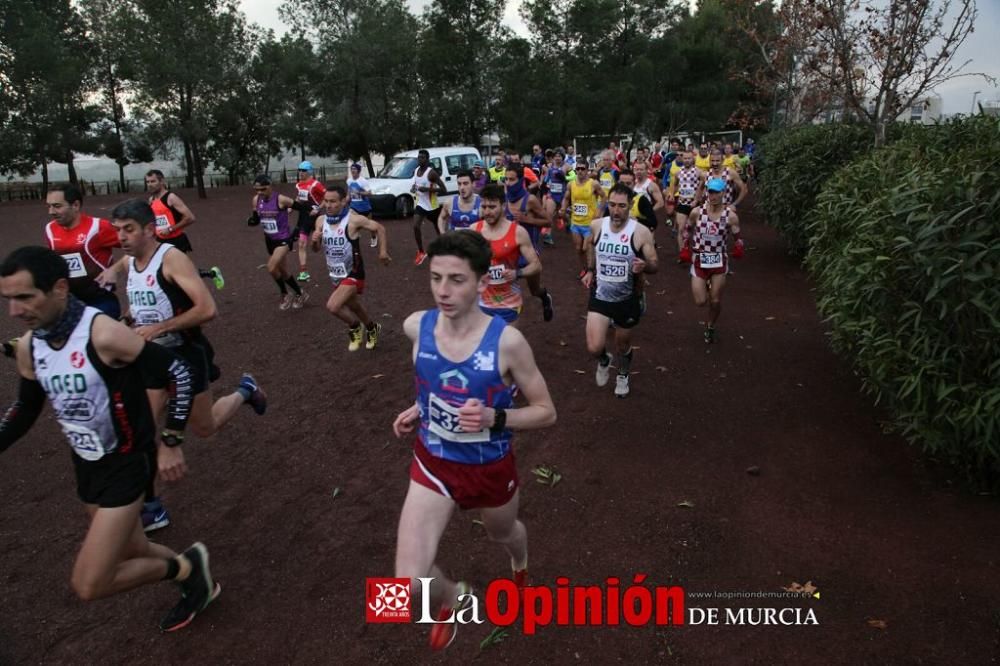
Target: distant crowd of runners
126, 383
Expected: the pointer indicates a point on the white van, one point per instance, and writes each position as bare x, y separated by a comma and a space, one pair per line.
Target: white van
391, 188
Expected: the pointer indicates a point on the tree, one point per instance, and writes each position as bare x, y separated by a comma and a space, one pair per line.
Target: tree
108, 23
180, 77
884, 57
45, 62
368, 49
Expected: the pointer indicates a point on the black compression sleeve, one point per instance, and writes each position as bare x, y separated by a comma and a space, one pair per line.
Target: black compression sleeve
22, 414
163, 365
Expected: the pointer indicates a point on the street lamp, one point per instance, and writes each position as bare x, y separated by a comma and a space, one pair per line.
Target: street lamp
972, 112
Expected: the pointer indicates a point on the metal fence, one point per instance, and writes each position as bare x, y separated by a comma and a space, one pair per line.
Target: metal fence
24, 191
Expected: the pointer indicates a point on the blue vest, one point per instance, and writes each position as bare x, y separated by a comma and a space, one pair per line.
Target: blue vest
464, 219
443, 386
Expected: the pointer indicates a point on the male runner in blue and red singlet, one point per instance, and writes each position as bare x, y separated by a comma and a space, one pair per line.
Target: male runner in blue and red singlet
463, 417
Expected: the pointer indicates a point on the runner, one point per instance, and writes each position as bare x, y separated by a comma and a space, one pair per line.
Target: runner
462, 418
497, 171
168, 304
270, 211
607, 172
525, 209
584, 199
621, 251
685, 188
730, 177
338, 230
703, 160
93, 369
555, 182
427, 185
646, 186
85, 243
172, 218
357, 186
511, 246
461, 210
641, 209
480, 178
308, 196
705, 237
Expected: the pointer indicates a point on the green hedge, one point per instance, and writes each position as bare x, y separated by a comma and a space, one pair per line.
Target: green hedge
793, 166
905, 252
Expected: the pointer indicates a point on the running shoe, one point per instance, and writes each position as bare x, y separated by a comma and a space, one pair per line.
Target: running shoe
520, 577
621, 386
547, 310
299, 300
257, 398
286, 302
709, 335
443, 635
356, 335
217, 278
303, 276
373, 334
603, 370
198, 590
547, 239
420, 258
374, 242
154, 515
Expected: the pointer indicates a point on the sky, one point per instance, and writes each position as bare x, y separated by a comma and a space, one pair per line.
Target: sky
957, 95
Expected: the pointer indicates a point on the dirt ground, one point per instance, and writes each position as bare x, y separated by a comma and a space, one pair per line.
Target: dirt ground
881, 534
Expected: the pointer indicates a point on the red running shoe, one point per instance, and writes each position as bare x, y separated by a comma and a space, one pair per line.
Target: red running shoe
443, 635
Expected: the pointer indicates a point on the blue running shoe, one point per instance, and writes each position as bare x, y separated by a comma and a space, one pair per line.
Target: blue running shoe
256, 396
154, 515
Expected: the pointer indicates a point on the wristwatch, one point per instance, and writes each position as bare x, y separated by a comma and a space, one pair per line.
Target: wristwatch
499, 419
171, 439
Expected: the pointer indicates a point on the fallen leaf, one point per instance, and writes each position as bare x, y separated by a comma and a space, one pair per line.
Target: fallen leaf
336, 491
661, 368
753, 470
580, 372
877, 624
562, 343
496, 636
661, 292
476, 521
768, 318
670, 312
686, 504
377, 376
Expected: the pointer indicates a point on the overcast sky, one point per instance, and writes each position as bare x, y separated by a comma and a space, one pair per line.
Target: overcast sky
980, 47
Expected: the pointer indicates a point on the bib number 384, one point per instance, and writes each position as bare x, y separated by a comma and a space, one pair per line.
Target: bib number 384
442, 422
711, 260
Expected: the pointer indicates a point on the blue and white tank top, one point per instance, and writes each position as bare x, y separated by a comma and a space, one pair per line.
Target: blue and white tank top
443, 386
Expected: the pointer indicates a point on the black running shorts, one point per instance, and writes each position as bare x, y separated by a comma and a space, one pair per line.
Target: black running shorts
117, 479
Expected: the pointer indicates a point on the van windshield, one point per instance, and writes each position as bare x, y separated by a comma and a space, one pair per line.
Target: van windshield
399, 167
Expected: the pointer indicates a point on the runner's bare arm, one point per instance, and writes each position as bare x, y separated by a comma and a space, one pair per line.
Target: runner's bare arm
567, 201
535, 215
650, 262
177, 268
360, 221
442, 221
740, 183
518, 362
187, 217
527, 250
110, 274
599, 192
285, 202
436, 179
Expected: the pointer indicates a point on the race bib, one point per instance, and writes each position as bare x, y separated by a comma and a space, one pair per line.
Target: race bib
711, 260
580, 209
75, 264
355, 195
162, 224
303, 195
556, 188
85, 442
442, 421
613, 270
338, 271
269, 225
146, 317
496, 274
687, 192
